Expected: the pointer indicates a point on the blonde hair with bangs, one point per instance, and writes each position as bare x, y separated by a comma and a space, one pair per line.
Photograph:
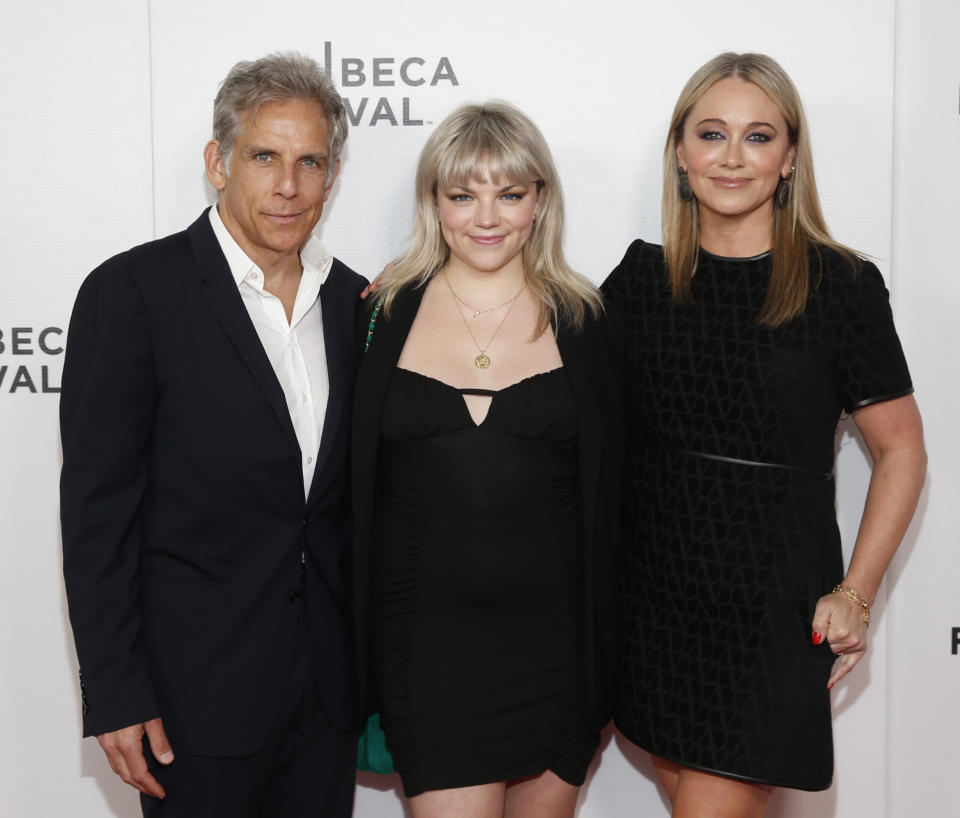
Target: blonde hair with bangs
496, 140
796, 227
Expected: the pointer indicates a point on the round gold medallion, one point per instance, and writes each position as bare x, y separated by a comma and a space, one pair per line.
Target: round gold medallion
482, 361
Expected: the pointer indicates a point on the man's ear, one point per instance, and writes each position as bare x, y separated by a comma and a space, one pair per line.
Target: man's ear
215, 165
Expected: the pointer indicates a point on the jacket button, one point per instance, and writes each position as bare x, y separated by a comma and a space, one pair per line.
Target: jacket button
293, 597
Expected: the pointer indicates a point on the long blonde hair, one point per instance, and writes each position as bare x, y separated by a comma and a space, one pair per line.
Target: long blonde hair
796, 227
496, 139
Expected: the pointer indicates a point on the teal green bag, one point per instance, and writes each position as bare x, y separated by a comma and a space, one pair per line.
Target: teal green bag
372, 753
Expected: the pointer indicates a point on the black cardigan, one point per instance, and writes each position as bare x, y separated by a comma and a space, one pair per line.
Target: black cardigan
591, 360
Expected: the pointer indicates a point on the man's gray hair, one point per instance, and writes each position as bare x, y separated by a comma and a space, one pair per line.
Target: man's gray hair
278, 77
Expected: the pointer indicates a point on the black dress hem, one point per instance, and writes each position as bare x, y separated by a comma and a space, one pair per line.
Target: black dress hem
535, 770
767, 782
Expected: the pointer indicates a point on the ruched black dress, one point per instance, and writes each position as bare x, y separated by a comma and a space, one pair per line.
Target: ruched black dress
477, 610
730, 528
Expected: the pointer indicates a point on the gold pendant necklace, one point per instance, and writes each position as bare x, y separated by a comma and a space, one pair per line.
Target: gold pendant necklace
482, 361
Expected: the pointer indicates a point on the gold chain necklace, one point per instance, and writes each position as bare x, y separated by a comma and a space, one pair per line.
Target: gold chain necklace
482, 361
477, 312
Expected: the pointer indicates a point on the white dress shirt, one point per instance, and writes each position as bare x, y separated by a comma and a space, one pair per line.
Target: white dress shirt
296, 348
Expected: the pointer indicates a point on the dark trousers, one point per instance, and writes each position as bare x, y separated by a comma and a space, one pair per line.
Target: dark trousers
305, 769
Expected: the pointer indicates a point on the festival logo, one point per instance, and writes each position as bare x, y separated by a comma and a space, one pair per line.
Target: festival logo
356, 76
30, 361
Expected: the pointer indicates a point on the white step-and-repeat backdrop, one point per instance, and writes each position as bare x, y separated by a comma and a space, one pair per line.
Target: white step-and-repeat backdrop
106, 105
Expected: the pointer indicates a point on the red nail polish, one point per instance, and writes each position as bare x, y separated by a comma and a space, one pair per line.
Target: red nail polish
817, 638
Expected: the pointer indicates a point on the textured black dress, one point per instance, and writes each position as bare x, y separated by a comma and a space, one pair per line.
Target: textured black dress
730, 526
478, 589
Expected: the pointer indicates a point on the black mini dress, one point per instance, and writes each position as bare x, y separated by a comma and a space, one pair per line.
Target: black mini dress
477, 585
730, 527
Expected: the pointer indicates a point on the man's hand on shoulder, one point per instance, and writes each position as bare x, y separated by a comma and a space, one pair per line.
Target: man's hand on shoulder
124, 749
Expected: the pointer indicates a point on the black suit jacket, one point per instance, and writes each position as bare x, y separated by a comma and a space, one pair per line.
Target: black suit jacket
592, 361
182, 502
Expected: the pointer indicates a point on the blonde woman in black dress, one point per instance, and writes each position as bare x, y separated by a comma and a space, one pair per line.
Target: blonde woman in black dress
749, 333
486, 453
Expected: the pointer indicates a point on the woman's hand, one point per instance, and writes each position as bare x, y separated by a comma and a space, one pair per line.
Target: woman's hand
893, 433
372, 286
840, 621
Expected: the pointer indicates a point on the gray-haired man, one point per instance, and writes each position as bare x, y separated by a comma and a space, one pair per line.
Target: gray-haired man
206, 524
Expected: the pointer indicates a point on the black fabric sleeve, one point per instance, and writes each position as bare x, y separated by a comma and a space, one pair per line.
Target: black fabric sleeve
106, 416
870, 363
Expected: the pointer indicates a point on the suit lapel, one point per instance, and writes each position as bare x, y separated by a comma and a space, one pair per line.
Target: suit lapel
337, 309
220, 291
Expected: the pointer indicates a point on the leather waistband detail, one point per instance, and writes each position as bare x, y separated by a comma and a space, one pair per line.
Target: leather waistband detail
759, 464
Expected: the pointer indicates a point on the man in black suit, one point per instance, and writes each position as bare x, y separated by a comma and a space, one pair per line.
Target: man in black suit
204, 496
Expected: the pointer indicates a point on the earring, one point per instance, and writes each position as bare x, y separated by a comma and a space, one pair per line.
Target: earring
683, 185
782, 193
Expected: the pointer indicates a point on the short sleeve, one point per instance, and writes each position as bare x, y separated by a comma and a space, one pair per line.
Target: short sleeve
625, 276
870, 362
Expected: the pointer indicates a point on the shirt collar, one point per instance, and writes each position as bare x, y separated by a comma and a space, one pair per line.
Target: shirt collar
314, 257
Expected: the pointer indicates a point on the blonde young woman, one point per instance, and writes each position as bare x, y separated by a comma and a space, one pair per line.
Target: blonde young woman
486, 440
749, 333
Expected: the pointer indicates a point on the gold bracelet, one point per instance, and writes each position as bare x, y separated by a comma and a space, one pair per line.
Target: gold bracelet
856, 598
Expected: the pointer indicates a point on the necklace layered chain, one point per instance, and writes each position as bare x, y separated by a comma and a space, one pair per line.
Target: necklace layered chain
482, 361
477, 312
